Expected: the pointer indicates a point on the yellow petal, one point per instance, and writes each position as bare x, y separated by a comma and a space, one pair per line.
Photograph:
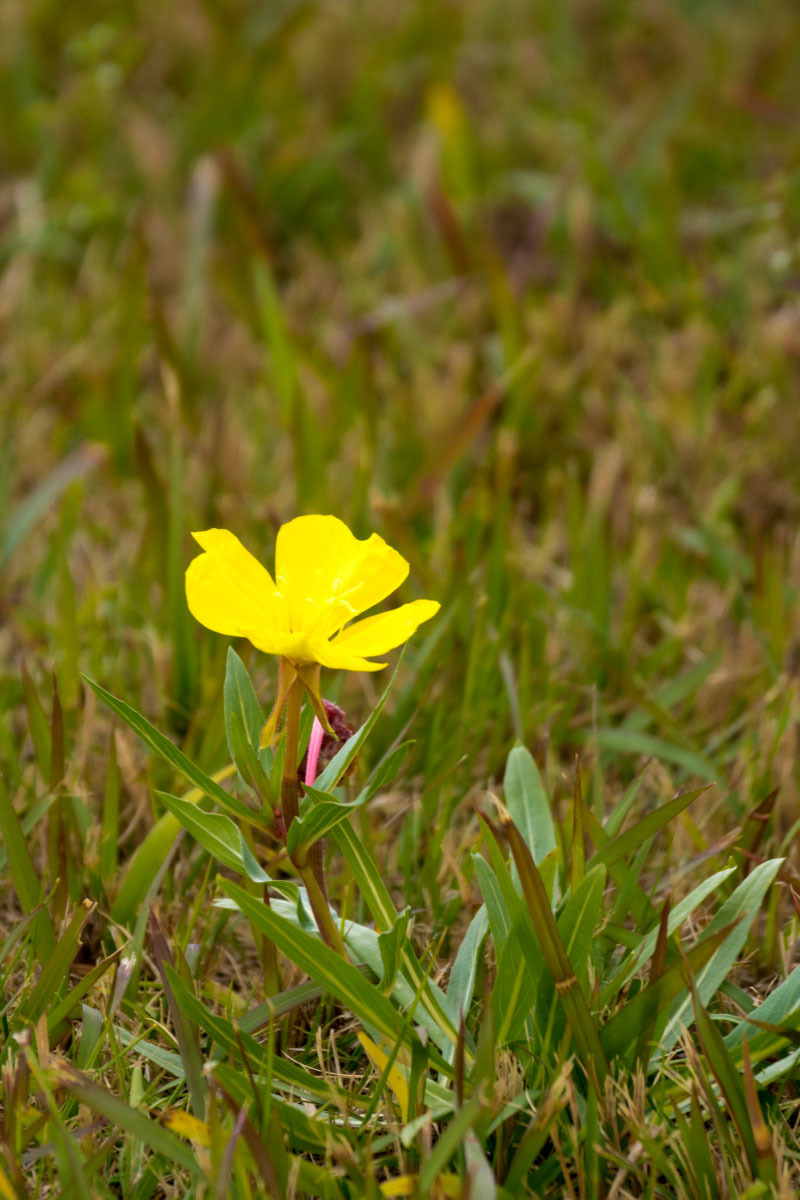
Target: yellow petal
383, 632
395, 1078
229, 591
330, 655
328, 576
185, 1125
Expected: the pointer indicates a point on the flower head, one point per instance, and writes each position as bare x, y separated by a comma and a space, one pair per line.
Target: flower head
324, 577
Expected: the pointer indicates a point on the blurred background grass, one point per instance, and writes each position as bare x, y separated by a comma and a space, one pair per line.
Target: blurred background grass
514, 284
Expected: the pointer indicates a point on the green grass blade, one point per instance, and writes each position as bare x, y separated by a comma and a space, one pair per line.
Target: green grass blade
185, 1035
56, 967
730, 1082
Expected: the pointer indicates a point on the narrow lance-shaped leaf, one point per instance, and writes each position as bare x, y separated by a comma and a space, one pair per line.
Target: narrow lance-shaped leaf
527, 803
170, 753
150, 856
240, 698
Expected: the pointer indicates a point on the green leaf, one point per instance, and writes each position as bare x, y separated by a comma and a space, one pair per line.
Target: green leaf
321, 813
385, 772
217, 834
775, 1009
391, 945
56, 967
636, 960
527, 803
170, 753
461, 983
240, 698
628, 741
719, 1059
289, 1075
583, 1028
185, 1034
499, 920
514, 991
59, 1012
367, 875
579, 919
151, 855
379, 902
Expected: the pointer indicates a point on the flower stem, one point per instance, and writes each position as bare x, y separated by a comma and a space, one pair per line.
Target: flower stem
328, 928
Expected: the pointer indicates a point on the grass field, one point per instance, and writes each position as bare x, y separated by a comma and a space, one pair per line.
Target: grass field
517, 286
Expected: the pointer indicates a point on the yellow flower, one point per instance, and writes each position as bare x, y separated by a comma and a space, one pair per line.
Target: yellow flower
324, 576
